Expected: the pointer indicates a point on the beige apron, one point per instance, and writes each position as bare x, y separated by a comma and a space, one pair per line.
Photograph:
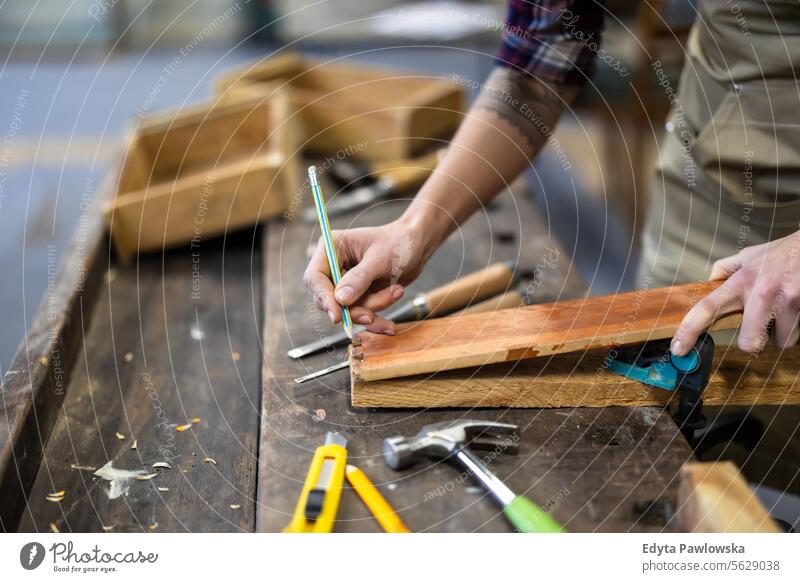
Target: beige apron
729, 165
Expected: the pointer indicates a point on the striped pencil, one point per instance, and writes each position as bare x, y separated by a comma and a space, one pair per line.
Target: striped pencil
330, 250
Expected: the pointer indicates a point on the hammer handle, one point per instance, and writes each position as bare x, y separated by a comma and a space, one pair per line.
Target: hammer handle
527, 517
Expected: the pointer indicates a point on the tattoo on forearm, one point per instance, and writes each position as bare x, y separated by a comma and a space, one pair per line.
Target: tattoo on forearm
531, 106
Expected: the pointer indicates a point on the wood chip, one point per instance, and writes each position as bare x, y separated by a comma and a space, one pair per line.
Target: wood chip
75, 467
56, 497
152, 526
209, 460
134, 445
44, 360
146, 477
128, 358
162, 465
110, 276
108, 528
196, 420
236, 506
236, 356
183, 427
54, 528
163, 488
120, 436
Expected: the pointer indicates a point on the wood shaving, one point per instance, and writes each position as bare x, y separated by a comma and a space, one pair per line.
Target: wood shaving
75, 467
209, 460
163, 488
196, 420
134, 445
128, 358
44, 360
55, 497
183, 427
162, 465
54, 528
236, 506
108, 528
120, 436
152, 526
236, 356
146, 477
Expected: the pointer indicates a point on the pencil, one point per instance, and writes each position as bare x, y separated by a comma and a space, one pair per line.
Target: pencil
330, 250
375, 502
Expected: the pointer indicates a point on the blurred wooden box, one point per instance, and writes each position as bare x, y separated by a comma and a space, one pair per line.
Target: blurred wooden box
394, 114
200, 171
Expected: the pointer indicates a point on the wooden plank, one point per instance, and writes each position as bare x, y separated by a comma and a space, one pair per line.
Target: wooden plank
589, 467
582, 379
528, 332
181, 317
35, 384
715, 498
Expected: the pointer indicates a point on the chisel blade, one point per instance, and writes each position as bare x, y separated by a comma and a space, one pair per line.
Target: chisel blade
324, 372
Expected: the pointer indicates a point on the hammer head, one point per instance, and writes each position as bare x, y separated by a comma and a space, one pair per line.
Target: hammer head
445, 438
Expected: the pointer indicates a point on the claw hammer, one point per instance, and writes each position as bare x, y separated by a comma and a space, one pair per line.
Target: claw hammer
451, 440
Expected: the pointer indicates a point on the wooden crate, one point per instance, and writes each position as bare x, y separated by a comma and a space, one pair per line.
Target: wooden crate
196, 173
369, 113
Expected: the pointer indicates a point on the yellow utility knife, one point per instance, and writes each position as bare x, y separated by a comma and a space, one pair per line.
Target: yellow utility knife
319, 500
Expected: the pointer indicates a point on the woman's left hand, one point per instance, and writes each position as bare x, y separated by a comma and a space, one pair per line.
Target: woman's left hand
762, 281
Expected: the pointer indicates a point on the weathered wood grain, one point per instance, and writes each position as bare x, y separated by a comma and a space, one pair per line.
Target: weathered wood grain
163, 348
36, 382
715, 498
589, 467
582, 379
529, 332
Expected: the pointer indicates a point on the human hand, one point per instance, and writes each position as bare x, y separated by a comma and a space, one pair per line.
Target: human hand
763, 281
378, 262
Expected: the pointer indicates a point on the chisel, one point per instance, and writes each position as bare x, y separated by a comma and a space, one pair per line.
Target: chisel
477, 286
507, 300
389, 179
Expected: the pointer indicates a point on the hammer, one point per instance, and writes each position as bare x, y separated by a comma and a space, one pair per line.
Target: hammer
450, 440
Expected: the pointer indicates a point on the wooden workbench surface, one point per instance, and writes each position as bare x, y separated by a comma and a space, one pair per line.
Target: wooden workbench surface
202, 348
590, 467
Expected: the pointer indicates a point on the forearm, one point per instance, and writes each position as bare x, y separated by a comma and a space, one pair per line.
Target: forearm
504, 130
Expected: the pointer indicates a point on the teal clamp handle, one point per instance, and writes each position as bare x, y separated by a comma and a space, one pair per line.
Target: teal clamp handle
527, 517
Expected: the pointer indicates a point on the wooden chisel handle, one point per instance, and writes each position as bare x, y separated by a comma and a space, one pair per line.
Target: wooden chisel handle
477, 286
507, 300
410, 173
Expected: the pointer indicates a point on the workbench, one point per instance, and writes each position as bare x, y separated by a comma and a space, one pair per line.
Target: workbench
198, 337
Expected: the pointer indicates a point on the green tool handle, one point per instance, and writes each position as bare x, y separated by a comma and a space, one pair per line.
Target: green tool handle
527, 517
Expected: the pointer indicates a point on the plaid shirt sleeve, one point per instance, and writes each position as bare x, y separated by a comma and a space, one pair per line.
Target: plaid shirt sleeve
553, 40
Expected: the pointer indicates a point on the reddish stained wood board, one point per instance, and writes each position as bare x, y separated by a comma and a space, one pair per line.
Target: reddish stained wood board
509, 335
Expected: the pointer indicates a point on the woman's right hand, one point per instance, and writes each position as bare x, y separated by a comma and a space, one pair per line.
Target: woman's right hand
377, 262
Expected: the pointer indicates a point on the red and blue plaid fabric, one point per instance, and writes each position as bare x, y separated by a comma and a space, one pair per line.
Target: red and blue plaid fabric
554, 40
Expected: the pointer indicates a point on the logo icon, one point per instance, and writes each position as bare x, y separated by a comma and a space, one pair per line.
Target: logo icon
31, 555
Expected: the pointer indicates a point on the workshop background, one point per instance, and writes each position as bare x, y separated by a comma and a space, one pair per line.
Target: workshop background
75, 73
